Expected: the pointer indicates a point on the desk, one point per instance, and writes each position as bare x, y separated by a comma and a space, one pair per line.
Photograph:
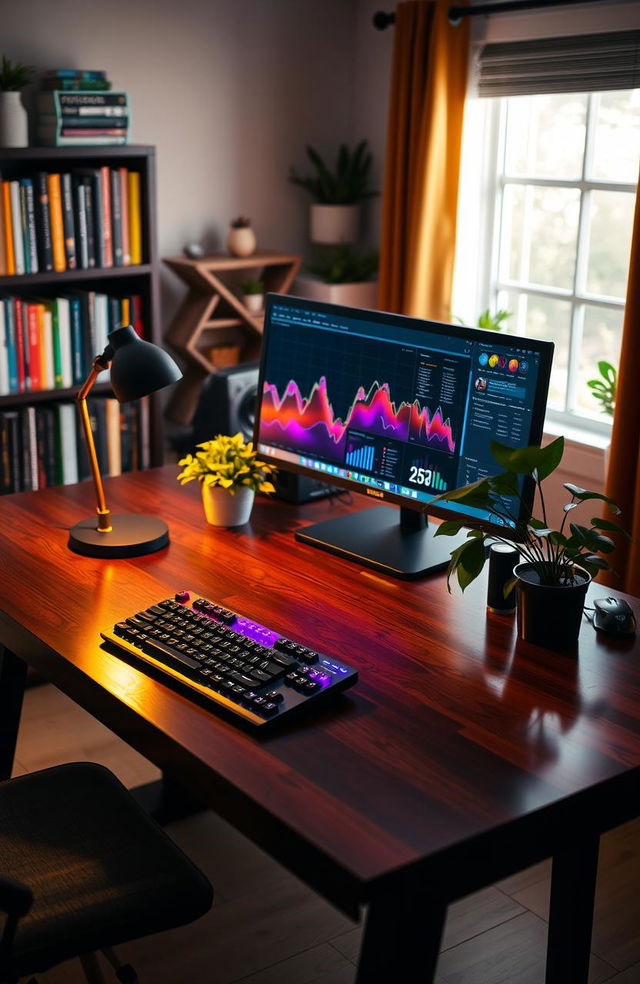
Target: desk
457, 760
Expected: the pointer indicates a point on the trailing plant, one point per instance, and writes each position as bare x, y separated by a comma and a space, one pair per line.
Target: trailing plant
343, 265
227, 462
604, 389
14, 76
553, 554
346, 184
252, 287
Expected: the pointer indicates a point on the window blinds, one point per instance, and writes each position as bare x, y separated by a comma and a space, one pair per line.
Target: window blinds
586, 63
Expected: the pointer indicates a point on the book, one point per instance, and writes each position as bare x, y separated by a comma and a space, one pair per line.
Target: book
144, 434
136, 315
30, 475
22, 359
3, 257
10, 450
112, 423
90, 217
66, 441
16, 227
36, 382
101, 319
105, 207
43, 224
57, 102
76, 73
69, 85
53, 140
45, 322
116, 217
82, 121
77, 340
68, 222
62, 306
4, 354
45, 430
12, 351
135, 217
10, 264
124, 211
57, 226
92, 179
98, 426
28, 217
80, 201
51, 305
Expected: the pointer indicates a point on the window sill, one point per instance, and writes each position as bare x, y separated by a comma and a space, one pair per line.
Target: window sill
592, 439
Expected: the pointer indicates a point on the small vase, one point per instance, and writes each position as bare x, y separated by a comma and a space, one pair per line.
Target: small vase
550, 615
241, 241
224, 509
254, 303
14, 122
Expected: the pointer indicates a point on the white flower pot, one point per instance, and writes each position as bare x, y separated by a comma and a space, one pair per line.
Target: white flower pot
254, 303
241, 242
14, 122
224, 509
334, 223
362, 295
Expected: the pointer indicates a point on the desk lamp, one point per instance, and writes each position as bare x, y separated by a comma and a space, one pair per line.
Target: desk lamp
137, 369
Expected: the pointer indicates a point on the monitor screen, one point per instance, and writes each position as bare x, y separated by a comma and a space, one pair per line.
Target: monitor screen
394, 407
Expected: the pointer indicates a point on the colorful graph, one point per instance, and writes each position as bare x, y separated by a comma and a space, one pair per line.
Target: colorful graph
310, 424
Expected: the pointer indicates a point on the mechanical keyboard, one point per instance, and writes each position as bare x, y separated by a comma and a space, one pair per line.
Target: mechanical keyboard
236, 665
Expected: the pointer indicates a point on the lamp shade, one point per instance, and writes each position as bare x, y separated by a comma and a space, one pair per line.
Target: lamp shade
138, 367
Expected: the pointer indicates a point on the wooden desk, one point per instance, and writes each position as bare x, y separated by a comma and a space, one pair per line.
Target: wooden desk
455, 761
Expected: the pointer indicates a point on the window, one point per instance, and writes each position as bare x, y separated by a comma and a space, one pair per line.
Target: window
547, 202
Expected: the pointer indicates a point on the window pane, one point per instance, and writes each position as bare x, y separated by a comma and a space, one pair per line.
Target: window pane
545, 135
601, 339
539, 235
550, 320
609, 242
617, 136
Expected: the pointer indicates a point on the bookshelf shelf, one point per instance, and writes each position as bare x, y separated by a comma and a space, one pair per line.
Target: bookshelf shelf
140, 279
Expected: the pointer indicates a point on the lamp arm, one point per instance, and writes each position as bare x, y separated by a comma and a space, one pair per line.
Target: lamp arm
100, 363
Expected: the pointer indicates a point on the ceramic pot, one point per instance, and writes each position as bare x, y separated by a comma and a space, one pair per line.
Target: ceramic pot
550, 615
14, 122
254, 303
242, 241
224, 509
334, 223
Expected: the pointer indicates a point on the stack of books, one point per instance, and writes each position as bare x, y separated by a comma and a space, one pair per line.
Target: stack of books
76, 108
44, 445
90, 217
49, 343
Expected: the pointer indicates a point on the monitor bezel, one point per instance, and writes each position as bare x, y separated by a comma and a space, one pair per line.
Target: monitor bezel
545, 348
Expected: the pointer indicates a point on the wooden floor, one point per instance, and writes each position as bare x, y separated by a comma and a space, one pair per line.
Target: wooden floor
266, 927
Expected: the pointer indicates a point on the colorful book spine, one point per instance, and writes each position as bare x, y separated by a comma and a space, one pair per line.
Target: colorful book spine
76, 73
116, 217
68, 222
124, 211
36, 382
62, 306
7, 230
90, 216
77, 345
27, 204
45, 325
57, 226
12, 349
4, 354
43, 223
105, 199
135, 217
21, 347
79, 194
16, 226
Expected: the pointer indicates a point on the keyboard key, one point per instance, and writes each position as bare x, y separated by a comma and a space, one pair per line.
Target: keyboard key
260, 675
269, 709
275, 696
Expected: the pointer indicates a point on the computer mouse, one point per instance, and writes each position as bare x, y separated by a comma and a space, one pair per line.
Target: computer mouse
614, 616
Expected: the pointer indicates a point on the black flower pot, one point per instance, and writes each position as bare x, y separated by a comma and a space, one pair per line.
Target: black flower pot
550, 615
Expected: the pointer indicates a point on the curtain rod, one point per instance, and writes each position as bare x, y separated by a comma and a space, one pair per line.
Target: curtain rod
382, 20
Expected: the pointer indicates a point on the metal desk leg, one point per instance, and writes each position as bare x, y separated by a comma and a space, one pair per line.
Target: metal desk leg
573, 887
13, 673
401, 940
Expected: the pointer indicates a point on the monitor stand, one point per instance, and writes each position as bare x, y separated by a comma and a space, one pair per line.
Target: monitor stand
399, 543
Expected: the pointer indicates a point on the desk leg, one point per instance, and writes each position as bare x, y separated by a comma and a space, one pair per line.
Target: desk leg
401, 940
573, 887
13, 673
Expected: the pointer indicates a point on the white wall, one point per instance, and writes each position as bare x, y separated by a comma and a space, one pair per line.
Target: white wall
228, 91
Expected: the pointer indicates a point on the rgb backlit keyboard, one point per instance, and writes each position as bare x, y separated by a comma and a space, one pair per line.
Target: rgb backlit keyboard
236, 665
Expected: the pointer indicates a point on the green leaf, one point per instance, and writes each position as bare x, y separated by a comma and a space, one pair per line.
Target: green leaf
506, 483
584, 494
592, 560
583, 536
449, 528
470, 562
540, 532
524, 461
607, 524
509, 586
569, 506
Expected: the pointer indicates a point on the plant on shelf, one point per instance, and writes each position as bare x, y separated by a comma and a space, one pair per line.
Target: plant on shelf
252, 287
253, 295
14, 76
346, 184
343, 265
230, 474
557, 564
604, 389
488, 321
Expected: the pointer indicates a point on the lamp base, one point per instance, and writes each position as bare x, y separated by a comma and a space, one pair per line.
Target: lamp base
132, 536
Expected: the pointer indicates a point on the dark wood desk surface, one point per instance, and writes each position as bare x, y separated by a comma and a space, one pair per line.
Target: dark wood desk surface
458, 757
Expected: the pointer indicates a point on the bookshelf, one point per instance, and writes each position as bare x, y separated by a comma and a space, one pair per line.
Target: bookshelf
140, 279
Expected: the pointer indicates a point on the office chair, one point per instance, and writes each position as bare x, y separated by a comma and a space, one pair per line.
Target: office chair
83, 868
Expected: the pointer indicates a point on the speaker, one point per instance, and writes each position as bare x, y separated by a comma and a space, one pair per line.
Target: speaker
227, 403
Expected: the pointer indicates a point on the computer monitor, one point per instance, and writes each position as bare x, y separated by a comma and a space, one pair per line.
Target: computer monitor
398, 409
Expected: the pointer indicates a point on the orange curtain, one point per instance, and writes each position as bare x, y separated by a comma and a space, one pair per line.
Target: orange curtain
623, 479
424, 135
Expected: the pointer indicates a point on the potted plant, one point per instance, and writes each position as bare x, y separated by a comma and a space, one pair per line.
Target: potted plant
230, 475
341, 275
241, 239
557, 564
14, 129
337, 193
253, 295
488, 321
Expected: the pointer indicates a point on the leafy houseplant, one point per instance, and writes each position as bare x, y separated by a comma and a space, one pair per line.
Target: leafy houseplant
557, 564
604, 389
252, 287
229, 474
14, 76
343, 265
253, 294
489, 321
